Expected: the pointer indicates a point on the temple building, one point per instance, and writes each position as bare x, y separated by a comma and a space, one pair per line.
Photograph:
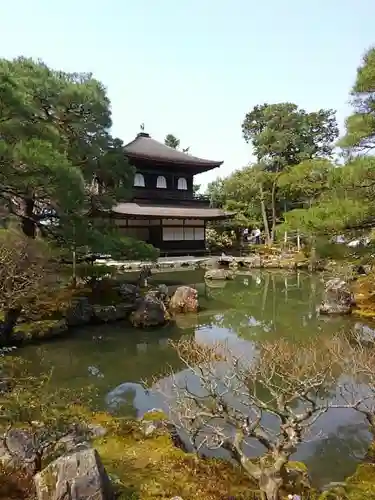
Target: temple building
163, 209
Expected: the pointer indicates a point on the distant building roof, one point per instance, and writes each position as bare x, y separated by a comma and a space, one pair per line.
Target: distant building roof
144, 147
167, 212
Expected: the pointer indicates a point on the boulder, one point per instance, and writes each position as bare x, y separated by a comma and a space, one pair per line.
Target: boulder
338, 298
252, 262
160, 293
128, 292
219, 274
80, 312
184, 299
76, 476
19, 452
107, 314
150, 311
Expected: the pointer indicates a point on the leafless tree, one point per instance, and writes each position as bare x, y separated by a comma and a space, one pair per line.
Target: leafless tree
236, 396
356, 355
39, 421
24, 273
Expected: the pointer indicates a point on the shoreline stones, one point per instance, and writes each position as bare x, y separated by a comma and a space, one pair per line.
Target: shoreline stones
184, 300
338, 298
77, 476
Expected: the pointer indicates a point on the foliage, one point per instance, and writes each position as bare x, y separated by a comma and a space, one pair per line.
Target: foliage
327, 216
91, 273
283, 134
60, 165
172, 141
216, 240
360, 126
305, 181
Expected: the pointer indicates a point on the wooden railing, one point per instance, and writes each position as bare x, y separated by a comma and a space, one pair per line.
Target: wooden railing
168, 194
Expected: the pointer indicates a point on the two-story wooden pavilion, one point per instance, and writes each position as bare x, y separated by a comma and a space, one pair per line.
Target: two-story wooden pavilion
163, 209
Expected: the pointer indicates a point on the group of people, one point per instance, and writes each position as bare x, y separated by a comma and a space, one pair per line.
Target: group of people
253, 237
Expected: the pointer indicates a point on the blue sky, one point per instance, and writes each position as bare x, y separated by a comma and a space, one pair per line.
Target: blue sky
195, 67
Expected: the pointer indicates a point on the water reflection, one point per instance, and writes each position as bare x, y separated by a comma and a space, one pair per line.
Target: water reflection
254, 307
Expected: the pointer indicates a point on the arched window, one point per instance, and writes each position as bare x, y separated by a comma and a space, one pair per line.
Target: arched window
182, 184
161, 182
139, 180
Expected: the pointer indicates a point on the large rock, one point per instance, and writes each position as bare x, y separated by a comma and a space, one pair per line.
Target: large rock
184, 300
338, 299
150, 311
19, 452
218, 274
161, 293
107, 314
128, 292
80, 312
77, 476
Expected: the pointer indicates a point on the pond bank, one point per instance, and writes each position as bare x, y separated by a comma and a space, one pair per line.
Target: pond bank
268, 258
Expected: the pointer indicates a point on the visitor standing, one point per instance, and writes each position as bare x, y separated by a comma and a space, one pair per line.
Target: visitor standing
257, 235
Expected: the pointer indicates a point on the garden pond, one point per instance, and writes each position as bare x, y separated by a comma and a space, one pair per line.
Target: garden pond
115, 358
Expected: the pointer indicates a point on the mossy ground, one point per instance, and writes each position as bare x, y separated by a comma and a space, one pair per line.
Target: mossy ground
364, 293
153, 468
37, 329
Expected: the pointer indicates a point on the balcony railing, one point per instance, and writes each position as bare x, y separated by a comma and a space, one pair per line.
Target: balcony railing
168, 194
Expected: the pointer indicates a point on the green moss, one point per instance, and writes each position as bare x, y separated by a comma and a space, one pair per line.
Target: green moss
39, 329
154, 416
153, 468
299, 466
360, 486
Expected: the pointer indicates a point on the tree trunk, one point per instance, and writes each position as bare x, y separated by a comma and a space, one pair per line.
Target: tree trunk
313, 256
270, 485
264, 214
273, 202
28, 224
6, 328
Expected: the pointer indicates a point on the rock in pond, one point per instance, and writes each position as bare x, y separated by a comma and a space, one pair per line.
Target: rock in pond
128, 292
80, 312
150, 311
161, 293
77, 476
184, 300
338, 298
107, 314
219, 274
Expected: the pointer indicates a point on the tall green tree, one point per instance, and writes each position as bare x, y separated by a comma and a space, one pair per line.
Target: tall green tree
60, 167
347, 198
283, 135
360, 126
172, 141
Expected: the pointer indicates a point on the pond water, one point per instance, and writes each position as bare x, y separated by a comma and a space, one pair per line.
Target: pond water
255, 306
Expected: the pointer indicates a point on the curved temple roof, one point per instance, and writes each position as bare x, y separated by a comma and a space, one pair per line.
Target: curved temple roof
144, 147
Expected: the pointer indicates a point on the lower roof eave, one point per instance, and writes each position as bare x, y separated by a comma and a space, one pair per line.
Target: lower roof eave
133, 210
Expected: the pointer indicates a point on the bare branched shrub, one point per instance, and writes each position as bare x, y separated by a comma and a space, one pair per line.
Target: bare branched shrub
25, 272
357, 359
38, 421
230, 399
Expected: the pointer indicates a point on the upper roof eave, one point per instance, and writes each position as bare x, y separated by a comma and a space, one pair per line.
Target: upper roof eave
143, 147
